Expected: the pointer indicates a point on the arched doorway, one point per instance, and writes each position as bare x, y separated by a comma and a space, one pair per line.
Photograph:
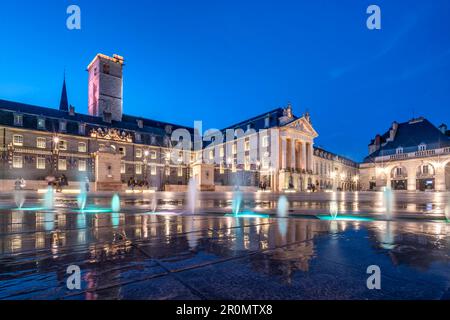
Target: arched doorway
425, 177
399, 178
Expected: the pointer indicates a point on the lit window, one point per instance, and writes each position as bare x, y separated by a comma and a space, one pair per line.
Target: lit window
233, 168
17, 162
40, 163
180, 172
222, 169
265, 164
41, 123
234, 148
247, 145
399, 150
82, 165
138, 153
123, 169
82, 147
153, 170
222, 152
138, 168
62, 164
18, 140
180, 156
62, 126
153, 155
62, 145
211, 155
138, 137
265, 141
422, 147
247, 163
167, 171
18, 120
41, 143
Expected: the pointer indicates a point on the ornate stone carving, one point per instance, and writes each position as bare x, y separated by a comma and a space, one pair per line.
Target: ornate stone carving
111, 134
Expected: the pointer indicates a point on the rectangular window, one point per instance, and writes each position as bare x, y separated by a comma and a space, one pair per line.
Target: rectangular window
138, 153
167, 171
222, 169
265, 141
180, 172
40, 163
247, 145
18, 140
123, 168
62, 145
18, 120
138, 137
222, 152
62, 164
247, 163
82, 147
17, 162
153, 155
153, 170
82, 165
138, 168
123, 151
41, 123
211, 155
62, 126
234, 148
82, 129
267, 122
41, 143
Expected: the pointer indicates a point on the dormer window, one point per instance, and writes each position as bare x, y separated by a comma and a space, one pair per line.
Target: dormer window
267, 122
399, 150
41, 123
138, 137
140, 124
422, 147
62, 126
81, 128
18, 120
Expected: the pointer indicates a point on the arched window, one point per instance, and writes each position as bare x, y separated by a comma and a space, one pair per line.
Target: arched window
399, 150
422, 147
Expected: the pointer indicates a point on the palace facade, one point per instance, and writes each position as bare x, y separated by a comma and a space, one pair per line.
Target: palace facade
414, 155
275, 150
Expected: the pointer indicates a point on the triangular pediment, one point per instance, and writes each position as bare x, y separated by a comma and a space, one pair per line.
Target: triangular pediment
303, 126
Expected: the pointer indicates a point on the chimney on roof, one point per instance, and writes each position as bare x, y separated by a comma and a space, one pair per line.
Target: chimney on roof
393, 131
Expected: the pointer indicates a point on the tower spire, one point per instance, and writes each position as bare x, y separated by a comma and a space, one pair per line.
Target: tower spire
64, 103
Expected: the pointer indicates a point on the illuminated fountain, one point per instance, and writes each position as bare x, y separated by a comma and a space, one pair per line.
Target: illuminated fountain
282, 213
49, 199
236, 202
334, 210
388, 202
115, 203
154, 204
192, 196
19, 198
82, 198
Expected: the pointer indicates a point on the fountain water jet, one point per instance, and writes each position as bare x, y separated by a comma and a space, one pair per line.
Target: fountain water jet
334, 210
19, 198
192, 196
236, 202
282, 212
388, 202
82, 198
115, 203
49, 199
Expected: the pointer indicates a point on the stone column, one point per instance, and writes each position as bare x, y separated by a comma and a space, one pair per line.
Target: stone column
439, 179
283, 153
311, 152
303, 161
292, 146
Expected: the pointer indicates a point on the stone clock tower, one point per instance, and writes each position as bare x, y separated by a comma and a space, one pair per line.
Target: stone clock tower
106, 87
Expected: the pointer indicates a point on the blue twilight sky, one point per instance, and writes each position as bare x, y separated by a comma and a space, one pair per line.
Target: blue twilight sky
225, 61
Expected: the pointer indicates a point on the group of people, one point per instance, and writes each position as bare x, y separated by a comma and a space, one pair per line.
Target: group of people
263, 185
58, 183
134, 183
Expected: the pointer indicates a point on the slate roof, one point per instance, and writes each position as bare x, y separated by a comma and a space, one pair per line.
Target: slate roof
409, 136
52, 116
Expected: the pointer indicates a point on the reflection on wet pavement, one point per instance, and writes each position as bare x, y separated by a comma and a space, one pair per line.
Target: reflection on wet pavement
136, 255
